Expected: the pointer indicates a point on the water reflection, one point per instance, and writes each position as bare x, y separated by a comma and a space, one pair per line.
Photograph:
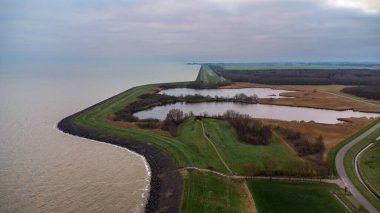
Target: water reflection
258, 111
228, 93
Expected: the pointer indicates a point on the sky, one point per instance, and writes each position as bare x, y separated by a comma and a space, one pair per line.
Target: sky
115, 31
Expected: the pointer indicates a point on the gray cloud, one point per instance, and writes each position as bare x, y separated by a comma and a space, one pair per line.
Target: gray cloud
223, 30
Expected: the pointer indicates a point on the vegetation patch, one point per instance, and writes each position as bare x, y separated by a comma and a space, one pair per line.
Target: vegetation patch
249, 130
304, 146
370, 92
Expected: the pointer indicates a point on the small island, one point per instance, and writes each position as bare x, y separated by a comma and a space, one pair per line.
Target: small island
235, 140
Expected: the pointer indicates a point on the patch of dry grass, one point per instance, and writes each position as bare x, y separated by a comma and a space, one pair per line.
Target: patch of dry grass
315, 97
332, 133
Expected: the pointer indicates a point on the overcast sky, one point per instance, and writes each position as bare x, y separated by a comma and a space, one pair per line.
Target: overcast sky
72, 31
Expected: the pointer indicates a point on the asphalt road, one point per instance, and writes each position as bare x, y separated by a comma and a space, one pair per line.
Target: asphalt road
343, 174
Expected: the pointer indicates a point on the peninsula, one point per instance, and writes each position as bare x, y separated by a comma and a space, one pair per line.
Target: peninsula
240, 137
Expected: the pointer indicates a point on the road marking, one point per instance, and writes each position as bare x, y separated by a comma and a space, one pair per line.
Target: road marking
378, 138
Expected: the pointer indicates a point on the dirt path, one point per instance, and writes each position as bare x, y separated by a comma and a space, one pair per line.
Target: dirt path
248, 192
216, 150
290, 179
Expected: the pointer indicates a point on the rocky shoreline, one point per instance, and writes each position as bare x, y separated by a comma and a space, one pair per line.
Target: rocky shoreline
166, 183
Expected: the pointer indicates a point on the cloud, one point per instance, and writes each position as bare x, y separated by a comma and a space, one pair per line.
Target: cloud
367, 6
190, 30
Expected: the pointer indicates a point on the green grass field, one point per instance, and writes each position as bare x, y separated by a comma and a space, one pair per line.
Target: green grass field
242, 156
207, 75
295, 197
211, 193
369, 164
348, 163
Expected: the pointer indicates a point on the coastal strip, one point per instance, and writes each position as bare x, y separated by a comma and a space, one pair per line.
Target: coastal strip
166, 183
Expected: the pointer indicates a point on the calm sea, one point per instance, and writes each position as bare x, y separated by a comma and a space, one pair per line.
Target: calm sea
44, 170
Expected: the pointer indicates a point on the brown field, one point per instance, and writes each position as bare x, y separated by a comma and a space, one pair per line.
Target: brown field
322, 97
332, 133
134, 125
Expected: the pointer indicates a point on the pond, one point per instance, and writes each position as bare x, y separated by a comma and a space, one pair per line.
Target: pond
228, 93
286, 113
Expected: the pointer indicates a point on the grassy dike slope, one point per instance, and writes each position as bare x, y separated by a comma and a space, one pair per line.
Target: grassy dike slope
349, 166
207, 75
369, 165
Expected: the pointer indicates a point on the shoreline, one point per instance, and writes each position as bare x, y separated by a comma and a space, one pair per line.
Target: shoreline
146, 164
164, 176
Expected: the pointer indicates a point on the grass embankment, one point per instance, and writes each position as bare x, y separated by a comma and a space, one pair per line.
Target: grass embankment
271, 196
334, 151
211, 193
369, 165
207, 75
350, 169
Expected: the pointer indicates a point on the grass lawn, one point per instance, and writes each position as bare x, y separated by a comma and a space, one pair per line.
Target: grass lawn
207, 75
369, 164
211, 193
240, 156
348, 164
295, 197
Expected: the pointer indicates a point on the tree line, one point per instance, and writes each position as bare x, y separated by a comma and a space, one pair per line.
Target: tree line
302, 76
370, 92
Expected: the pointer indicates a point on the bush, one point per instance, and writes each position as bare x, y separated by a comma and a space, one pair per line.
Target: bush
249, 130
173, 119
302, 144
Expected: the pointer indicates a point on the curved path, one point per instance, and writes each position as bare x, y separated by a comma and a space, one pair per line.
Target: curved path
339, 162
